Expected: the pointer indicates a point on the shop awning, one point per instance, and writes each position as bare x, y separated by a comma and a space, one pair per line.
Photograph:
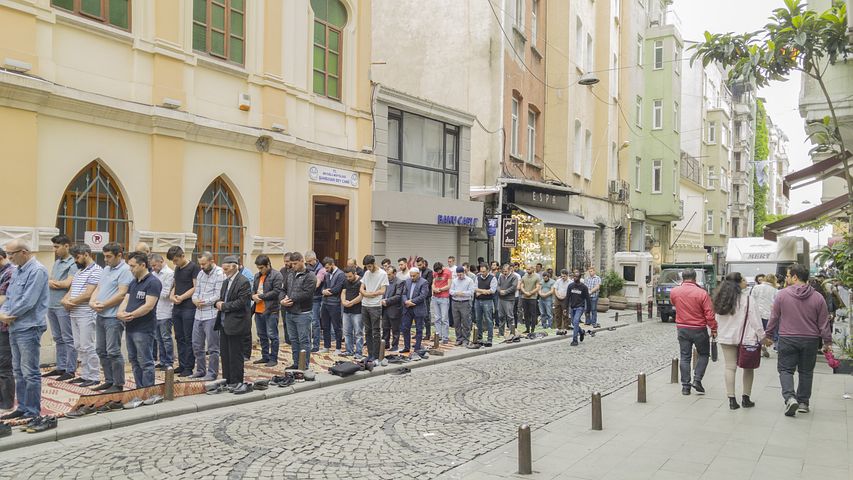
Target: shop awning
832, 208
832, 166
558, 219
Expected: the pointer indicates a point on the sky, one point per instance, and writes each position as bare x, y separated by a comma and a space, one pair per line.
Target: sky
781, 98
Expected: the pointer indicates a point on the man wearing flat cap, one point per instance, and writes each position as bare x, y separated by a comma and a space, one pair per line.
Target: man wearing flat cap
234, 320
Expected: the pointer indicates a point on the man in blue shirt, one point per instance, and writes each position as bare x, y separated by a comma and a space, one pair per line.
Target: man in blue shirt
115, 280
139, 317
25, 312
61, 276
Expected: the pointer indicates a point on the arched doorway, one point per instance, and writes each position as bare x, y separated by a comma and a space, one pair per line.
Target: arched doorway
218, 225
93, 202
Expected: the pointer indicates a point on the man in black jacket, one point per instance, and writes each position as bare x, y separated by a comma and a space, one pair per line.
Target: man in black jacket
577, 302
266, 289
234, 320
392, 310
297, 298
426, 274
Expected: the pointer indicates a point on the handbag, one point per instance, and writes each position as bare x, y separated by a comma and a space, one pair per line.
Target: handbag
714, 354
748, 356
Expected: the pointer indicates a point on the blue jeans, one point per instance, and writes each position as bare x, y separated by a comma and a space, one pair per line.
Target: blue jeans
299, 330
593, 313
315, 323
60, 329
108, 331
26, 346
267, 326
546, 311
440, 317
353, 333
163, 335
484, 311
139, 348
577, 313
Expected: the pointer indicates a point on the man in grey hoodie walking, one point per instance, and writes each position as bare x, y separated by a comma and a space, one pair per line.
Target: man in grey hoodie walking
799, 314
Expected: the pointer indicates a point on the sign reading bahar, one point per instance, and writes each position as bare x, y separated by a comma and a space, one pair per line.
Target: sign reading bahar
333, 176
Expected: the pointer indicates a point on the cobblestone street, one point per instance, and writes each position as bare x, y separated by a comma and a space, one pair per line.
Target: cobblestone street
418, 425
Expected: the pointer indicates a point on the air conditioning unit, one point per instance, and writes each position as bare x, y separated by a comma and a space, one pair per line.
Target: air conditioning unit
614, 187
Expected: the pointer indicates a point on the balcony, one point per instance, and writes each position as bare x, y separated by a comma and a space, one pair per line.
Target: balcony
691, 168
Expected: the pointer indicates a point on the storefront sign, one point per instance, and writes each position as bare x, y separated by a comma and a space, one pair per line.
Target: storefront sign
541, 198
509, 238
333, 176
492, 227
96, 240
458, 220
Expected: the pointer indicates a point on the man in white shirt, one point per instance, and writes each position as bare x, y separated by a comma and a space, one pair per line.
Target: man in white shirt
373, 284
208, 289
561, 316
163, 332
763, 294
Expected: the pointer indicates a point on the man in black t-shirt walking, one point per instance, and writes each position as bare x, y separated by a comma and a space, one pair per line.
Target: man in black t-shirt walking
137, 313
183, 313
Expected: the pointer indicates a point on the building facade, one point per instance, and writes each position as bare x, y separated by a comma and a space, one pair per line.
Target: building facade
744, 107
776, 170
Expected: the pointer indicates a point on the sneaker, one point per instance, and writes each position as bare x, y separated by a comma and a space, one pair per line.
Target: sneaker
46, 423
323, 350
574, 343
697, 385
415, 357
153, 400
81, 411
133, 403
65, 377
791, 407
685, 390
803, 408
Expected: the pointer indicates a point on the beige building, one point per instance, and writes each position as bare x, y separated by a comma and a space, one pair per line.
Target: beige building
241, 127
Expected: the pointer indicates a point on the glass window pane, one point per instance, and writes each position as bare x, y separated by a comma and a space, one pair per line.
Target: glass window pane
66, 4
332, 66
337, 13
334, 40
393, 138
237, 24
423, 182
450, 186
217, 16
450, 154
237, 5
319, 7
200, 11
333, 88
91, 7
118, 13
319, 83
199, 37
217, 43
319, 33
393, 177
422, 141
319, 58
235, 52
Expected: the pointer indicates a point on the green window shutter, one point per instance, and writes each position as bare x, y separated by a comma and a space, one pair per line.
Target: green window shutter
319, 33
237, 5
319, 58
119, 14
332, 67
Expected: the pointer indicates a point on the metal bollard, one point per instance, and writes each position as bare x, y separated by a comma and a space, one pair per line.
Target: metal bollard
303, 360
596, 411
525, 457
435, 341
381, 351
673, 374
617, 317
650, 309
639, 313
473, 334
169, 393
641, 388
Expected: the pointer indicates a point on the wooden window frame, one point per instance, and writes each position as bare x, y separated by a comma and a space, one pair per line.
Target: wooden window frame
226, 31
232, 246
326, 50
105, 13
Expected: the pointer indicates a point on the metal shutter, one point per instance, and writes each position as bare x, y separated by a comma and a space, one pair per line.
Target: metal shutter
434, 243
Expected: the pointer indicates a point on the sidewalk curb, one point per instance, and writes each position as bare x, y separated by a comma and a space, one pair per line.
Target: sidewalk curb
68, 428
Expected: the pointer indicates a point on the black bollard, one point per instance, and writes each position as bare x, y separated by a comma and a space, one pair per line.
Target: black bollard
525, 457
639, 313
617, 317
596, 411
673, 374
650, 309
169, 387
641, 388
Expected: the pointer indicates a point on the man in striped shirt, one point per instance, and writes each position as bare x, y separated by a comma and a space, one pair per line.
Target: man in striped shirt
76, 301
593, 283
207, 292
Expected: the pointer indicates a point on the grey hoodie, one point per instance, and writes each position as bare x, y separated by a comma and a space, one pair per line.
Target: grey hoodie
509, 283
799, 311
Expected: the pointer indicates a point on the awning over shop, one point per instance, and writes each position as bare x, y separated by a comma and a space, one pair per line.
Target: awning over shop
832, 166
558, 219
832, 208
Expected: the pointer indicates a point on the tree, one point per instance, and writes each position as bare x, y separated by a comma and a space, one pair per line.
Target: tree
795, 39
762, 151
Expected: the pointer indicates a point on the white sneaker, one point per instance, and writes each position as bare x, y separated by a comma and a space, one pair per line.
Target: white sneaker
415, 357
803, 408
791, 407
337, 352
323, 350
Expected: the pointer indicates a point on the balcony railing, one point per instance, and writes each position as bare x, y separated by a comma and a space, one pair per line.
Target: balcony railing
691, 168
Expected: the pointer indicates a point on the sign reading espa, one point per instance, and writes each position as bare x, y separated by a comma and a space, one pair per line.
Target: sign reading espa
458, 220
333, 176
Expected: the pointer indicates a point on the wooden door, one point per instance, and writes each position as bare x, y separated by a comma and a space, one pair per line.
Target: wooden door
330, 232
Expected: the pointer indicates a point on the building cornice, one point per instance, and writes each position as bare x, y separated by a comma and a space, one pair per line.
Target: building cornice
423, 107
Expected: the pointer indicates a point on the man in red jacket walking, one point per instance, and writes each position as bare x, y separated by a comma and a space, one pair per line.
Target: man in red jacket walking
800, 315
694, 315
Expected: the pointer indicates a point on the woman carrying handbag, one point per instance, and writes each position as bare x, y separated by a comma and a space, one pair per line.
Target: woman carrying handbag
739, 329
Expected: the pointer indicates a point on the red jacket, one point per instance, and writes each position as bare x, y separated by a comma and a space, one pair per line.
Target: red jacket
693, 307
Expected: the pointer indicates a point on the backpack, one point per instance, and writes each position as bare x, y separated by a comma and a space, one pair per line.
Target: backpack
345, 369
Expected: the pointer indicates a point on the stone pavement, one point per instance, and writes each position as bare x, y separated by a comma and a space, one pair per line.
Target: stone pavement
691, 437
421, 425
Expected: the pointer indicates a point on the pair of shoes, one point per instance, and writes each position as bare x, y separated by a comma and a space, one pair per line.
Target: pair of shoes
40, 424
217, 389
53, 373
81, 411
13, 415
153, 400
746, 402
115, 389
803, 408
110, 406
685, 390
77, 380
243, 388
283, 380
401, 371
733, 405
260, 361
133, 403
574, 343
5, 430
261, 385
103, 386
415, 357
271, 363
65, 377
697, 385
791, 407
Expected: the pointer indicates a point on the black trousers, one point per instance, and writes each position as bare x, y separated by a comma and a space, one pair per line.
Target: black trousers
372, 319
797, 355
531, 312
183, 320
7, 379
231, 351
330, 316
390, 326
246, 346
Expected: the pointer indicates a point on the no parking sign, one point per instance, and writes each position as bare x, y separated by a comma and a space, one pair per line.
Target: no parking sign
96, 240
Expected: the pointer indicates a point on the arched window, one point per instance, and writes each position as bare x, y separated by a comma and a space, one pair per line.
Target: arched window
93, 202
218, 225
330, 18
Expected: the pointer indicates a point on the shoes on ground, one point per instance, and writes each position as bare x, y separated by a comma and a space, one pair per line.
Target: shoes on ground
733, 403
803, 408
41, 424
261, 384
697, 385
746, 402
82, 411
401, 371
153, 400
5, 430
243, 388
110, 406
685, 390
574, 343
791, 407
133, 403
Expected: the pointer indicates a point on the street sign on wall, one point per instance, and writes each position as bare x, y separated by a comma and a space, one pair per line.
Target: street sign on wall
96, 240
509, 233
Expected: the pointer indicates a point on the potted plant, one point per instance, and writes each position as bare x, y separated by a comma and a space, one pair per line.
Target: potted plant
846, 366
611, 285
